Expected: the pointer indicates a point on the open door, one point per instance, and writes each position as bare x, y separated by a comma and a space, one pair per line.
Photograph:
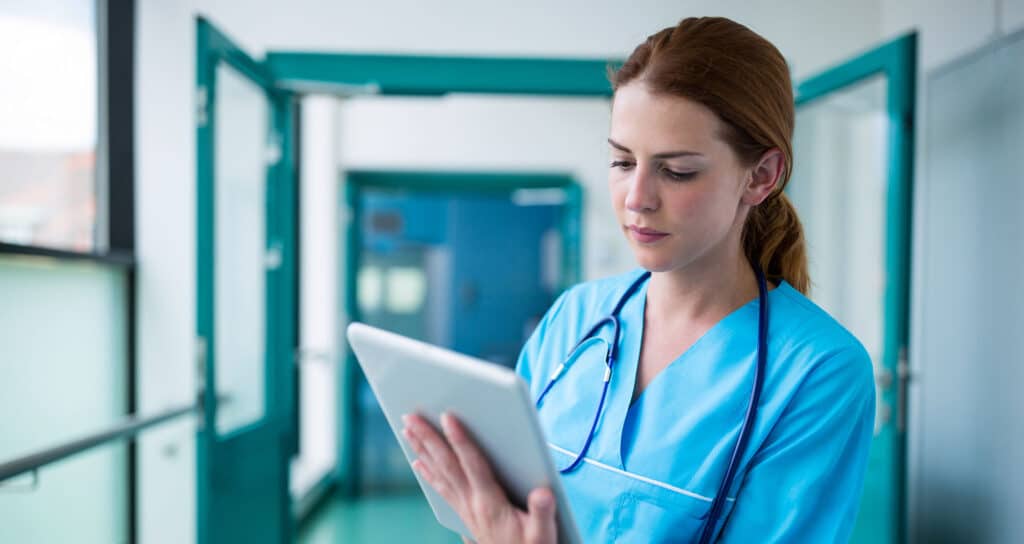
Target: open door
245, 303
853, 150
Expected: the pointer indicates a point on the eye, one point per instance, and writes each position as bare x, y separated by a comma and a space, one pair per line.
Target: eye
679, 176
622, 165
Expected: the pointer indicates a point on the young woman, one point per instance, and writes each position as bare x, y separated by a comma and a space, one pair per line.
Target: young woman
731, 407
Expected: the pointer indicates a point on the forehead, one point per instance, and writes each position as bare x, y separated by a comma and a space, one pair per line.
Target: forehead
652, 122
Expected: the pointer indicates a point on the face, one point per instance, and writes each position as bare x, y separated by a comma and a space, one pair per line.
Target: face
679, 191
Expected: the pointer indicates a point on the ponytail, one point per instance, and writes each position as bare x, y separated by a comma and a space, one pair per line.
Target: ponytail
774, 238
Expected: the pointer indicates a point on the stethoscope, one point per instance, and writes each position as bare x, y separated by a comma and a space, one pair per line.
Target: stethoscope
748, 422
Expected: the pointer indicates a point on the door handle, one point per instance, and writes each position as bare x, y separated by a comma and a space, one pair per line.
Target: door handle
883, 412
903, 376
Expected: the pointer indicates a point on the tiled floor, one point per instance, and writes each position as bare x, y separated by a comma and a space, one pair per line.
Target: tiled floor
378, 519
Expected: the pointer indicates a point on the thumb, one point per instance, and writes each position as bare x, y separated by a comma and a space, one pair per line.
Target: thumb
540, 521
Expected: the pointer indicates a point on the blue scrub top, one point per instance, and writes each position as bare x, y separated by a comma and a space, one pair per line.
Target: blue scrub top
654, 466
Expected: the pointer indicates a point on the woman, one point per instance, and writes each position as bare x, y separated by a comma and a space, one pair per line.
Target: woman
700, 140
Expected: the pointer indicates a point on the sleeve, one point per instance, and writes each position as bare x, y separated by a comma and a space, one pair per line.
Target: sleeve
805, 482
530, 360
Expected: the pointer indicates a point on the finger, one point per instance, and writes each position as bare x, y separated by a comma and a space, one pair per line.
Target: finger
474, 462
438, 484
444, 462
540, 519
416, 444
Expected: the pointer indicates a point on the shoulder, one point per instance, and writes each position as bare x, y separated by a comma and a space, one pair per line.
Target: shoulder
600, 295
810, 344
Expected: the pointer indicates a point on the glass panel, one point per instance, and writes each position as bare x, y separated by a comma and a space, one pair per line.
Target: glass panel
839, 189
80, 499
48, 113
242, 117
407, 290
431, 271
965, 472
62, 359
62, 332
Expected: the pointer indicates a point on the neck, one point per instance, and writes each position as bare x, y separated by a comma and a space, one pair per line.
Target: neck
701, 291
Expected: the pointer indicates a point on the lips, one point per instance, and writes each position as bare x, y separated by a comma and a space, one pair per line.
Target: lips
645, 235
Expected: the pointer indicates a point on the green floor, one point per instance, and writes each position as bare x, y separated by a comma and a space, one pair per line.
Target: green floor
380, 519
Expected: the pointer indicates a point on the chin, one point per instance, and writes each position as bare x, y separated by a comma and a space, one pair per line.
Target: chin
653, 261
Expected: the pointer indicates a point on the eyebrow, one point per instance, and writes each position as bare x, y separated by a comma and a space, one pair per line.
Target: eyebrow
665, 155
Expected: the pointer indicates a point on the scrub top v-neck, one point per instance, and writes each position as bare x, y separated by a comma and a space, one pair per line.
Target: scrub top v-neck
655, 464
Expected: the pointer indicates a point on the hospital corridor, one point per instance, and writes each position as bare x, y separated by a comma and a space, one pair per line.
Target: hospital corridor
198, 197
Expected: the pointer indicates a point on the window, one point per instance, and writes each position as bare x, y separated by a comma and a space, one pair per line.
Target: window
67, 194
49, 107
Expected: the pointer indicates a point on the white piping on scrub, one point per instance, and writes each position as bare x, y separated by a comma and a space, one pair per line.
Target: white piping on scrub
644, 479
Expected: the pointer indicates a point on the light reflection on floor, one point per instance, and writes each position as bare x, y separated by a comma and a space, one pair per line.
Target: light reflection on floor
378, 519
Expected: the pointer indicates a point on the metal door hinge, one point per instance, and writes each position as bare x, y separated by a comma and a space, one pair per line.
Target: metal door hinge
202, 106
200, 358
274, 256
272, 153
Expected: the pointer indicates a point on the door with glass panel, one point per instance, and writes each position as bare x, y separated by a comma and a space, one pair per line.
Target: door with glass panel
245, 303
852, 188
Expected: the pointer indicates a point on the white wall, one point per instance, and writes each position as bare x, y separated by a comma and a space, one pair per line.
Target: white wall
487, 134
811, 34
165, 215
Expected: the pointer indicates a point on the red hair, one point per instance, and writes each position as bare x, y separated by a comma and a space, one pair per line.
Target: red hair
744, 80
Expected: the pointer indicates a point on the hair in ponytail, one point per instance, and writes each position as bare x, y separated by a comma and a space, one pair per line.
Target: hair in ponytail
743, 78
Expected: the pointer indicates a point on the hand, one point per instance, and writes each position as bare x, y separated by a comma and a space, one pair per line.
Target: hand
456, 468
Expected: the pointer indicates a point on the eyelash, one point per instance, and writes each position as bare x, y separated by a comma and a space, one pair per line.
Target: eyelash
672, 174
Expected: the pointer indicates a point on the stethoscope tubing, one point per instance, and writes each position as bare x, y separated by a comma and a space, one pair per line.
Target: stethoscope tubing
746, 429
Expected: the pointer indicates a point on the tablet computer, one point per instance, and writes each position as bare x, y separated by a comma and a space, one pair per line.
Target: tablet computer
493, 403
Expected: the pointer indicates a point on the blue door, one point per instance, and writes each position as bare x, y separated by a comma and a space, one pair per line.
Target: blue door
469, 262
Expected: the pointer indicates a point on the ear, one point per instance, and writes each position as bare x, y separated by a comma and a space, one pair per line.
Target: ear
764, 177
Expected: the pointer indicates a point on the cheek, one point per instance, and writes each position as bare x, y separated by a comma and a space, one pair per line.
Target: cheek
618, 189
691, 206
702, 209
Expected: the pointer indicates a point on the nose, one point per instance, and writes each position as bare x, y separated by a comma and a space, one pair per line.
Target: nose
643, 191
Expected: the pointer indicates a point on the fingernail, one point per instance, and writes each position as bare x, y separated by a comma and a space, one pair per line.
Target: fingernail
405, 419
446, 422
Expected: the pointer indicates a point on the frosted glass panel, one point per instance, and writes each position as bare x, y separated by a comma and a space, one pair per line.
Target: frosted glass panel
240, 244
80, 499
839, 189
967, 477
62, 351
63, 367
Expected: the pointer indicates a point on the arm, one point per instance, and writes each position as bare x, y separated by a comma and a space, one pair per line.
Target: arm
804, 484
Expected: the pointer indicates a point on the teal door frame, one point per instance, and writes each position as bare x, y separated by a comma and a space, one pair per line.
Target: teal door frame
426, 76
261, 449
286, 76
897, 61
355, 183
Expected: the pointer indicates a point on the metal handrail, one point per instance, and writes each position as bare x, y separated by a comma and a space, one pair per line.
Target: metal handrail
126, 429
